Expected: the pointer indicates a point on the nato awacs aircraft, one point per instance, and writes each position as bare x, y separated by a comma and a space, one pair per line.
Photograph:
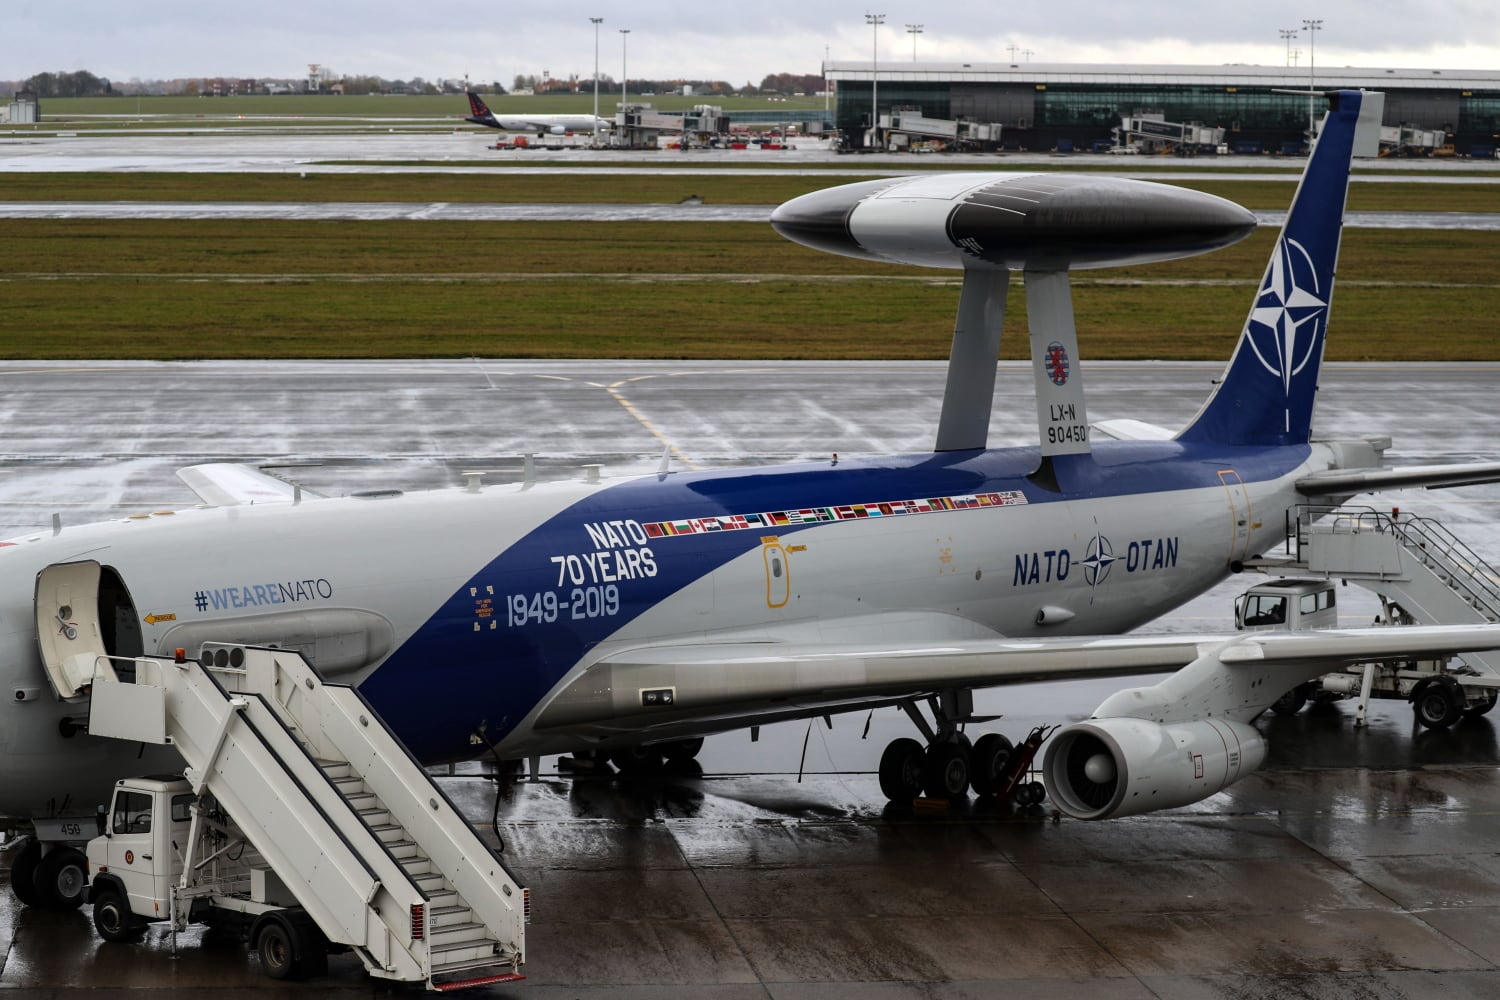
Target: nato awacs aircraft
635, 616
542, 125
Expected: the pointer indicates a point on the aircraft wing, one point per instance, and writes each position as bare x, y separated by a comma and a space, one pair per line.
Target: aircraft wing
1341, 482
227, 484
739, 684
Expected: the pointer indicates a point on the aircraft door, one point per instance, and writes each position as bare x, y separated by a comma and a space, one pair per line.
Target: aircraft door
1239, 514
778, 573
68, 631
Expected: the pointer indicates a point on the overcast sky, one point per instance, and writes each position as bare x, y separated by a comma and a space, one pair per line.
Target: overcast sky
736, 42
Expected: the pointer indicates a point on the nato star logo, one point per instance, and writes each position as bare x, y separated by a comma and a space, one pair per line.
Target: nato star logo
1284, 325
1101, 555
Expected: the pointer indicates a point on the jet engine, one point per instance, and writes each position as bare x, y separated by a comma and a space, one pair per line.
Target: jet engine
1124, 766
557, 130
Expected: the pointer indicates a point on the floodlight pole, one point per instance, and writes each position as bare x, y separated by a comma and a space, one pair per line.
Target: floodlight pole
597, 21
1287, 34
624, 66
1312, 25
914, 30
875, 21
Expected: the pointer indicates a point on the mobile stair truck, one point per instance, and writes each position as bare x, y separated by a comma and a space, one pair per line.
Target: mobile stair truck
1422, 573
299, 819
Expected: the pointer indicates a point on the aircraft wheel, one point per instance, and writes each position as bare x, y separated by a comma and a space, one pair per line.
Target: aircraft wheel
637, 760
901, 770
1490, 695
61, 878
1438, 703
1290, 703
682, 749
23, 872
113, 919
945, 772
987, 763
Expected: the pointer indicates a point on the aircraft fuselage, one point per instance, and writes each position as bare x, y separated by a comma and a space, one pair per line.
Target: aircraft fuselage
462, 615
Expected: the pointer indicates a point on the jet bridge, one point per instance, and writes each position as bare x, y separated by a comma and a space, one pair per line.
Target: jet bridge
1156, 135
328, 801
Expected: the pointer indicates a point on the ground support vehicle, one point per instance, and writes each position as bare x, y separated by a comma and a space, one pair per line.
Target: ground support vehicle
299, 818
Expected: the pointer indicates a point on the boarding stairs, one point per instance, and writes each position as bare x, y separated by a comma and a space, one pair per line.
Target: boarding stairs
1415, 563
350, 824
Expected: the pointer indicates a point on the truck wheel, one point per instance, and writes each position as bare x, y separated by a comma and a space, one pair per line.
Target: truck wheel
23, 872
1438, 703
113, 919
61, 877
275, 948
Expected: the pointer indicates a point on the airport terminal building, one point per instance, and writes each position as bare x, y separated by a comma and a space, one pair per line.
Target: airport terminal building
1040, 105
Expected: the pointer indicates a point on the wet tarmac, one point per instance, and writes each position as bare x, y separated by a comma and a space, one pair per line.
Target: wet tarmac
1369, 874
1357, 863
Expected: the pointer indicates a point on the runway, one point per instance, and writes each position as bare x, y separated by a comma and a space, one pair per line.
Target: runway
1355, 864
465, 150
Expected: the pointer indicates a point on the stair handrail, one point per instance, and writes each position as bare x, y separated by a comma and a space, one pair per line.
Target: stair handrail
1467, 571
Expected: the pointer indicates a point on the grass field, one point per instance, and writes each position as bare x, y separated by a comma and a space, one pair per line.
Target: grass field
235, 289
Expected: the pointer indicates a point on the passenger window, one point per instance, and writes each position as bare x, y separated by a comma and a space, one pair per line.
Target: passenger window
1308, 603
132, 813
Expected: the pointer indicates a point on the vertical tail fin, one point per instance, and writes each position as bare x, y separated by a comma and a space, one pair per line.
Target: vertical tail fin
479, 112
1267, 393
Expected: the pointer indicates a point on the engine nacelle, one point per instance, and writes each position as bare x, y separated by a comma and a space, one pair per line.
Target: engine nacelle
557, 130
1124, 766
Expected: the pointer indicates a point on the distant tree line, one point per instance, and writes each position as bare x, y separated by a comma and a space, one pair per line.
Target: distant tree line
79, 83
788, 84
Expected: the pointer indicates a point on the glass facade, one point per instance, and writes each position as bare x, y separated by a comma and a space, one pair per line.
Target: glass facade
1037, 113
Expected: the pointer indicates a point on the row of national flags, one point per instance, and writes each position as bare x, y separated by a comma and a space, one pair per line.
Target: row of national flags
817, 515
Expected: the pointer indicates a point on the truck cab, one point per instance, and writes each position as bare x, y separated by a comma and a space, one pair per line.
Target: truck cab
139, 855
1287, 604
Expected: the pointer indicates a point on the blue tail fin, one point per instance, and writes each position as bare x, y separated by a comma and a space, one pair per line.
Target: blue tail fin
479, 112
1266, 395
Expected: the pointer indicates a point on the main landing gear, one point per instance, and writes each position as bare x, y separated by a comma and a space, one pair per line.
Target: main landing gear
52, 879
950, 765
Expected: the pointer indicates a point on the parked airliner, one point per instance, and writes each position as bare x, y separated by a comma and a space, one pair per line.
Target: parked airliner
635, 616
542, 125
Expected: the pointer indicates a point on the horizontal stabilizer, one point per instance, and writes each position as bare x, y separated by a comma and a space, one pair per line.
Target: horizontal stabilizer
1348, 482
228, 484
1126, 429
